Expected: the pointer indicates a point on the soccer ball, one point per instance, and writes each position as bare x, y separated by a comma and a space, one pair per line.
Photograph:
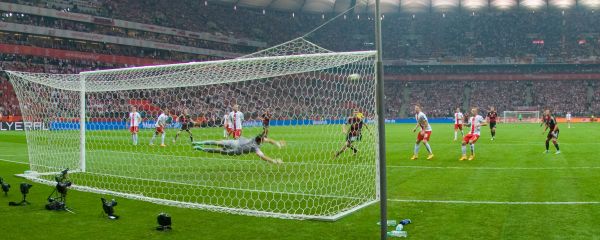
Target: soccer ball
354, 76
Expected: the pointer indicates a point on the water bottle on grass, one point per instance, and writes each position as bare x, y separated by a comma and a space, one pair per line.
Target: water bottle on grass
397, 234
399, 227
390, 223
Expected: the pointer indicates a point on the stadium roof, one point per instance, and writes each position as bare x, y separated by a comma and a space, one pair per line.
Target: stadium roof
408, 6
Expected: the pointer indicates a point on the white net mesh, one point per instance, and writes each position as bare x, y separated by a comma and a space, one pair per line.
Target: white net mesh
310, 95
295, 47
521, 117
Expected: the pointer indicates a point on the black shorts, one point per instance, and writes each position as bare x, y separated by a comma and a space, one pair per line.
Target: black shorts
550, 136
186, 126
492, 125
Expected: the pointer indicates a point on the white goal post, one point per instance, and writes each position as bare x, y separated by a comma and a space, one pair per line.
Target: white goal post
521, 117
307, 89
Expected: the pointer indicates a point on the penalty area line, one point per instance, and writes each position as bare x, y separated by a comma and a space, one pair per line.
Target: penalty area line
11, 161
491, 202
12, 155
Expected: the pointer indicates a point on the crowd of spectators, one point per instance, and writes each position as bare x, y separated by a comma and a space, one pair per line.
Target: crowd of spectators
426, 35
121, 32
100, 48
486, 69
394, 97
9, 104
563, 96
463, 35
544, 36
503, 95
595, 105
313, 99
439, 99
50, 65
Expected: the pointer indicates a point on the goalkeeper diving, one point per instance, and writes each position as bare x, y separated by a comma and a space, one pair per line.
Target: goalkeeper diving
240, 146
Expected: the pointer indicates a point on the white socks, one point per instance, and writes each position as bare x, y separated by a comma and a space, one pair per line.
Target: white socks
428, 147
472, 149
417, 149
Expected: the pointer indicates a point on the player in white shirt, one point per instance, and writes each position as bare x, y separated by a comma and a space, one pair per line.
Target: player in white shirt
227, 130
161, 123
423, 135
475, 122
134, 124
458, 123
236, 118
568, 119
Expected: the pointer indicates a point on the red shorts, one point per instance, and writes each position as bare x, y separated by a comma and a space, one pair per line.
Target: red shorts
457, 126
237, 133
471, 137
424, 137
134, 129
160, 129
229, 131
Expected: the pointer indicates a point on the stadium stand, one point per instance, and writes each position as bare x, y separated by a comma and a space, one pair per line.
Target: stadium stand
425, 44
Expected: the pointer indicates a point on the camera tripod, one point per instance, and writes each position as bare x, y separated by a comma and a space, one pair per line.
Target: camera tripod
23, 202
58, 201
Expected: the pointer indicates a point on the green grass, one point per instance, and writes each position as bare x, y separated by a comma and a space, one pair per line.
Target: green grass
310, 182
511, 169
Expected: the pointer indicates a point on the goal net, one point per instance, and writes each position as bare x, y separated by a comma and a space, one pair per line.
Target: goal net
521, 117
310, 94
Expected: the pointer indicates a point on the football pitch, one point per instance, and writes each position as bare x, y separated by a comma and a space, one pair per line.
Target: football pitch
511, 191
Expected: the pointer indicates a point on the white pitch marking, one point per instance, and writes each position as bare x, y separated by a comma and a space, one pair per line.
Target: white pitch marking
492, 202
11, 161
494, 168
13, 155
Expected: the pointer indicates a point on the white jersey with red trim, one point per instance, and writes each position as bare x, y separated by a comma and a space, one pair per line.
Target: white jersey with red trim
135, 119
423, 121
161, 121
475, 123
236, 119
568, 116
458, 118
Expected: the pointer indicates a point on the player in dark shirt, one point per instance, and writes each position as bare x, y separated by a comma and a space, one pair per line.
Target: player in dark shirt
186, 124
551, 124
266, 118
356, 125
492, 117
